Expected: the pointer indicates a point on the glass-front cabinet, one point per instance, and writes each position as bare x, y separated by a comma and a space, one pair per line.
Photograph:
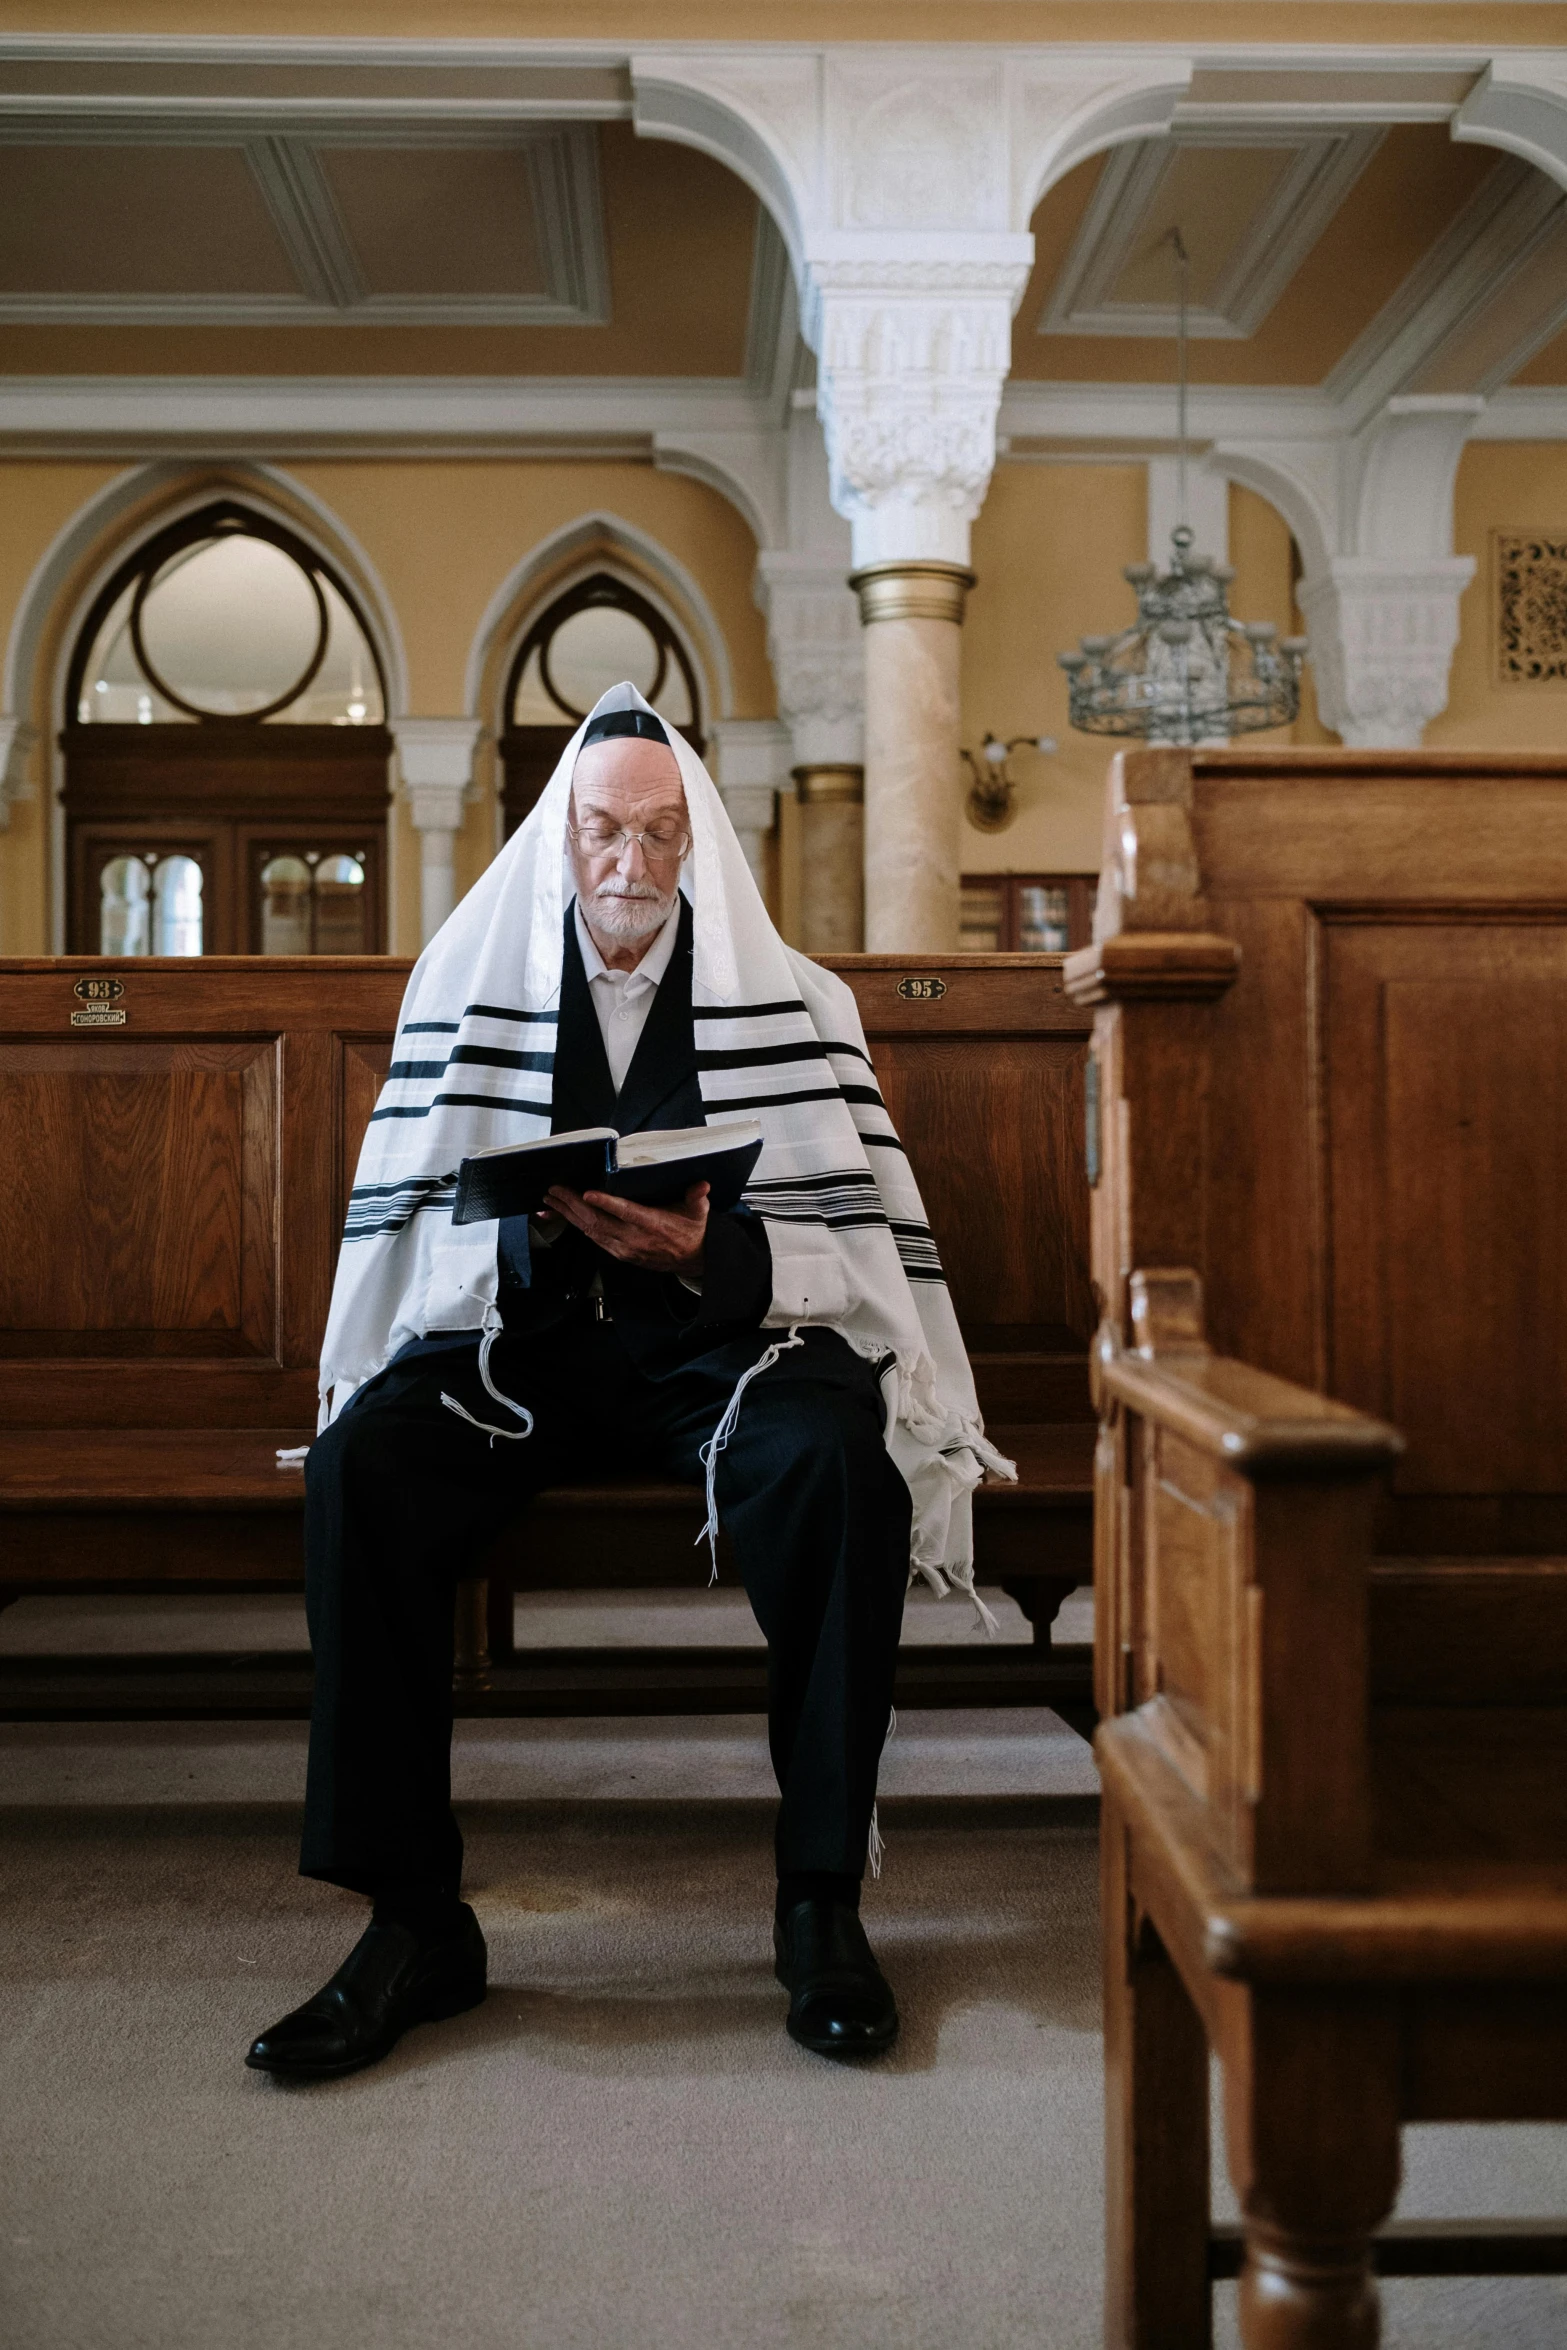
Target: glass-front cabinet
226, 756
1027, 913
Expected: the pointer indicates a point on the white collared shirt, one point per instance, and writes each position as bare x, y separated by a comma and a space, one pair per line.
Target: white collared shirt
622, 1000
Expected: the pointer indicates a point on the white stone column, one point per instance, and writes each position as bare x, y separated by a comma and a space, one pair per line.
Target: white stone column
751, 757
435, 756
913, 338
813, 636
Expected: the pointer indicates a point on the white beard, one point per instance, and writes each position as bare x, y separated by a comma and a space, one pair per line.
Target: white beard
630, 912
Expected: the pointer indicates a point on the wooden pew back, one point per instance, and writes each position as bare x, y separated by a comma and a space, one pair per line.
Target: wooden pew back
1358, 1146
176, 1181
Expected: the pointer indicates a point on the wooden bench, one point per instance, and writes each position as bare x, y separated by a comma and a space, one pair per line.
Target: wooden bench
176, 1186
1328, 1110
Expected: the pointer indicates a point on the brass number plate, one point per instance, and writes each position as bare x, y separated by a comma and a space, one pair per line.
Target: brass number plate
922, 991
99, 998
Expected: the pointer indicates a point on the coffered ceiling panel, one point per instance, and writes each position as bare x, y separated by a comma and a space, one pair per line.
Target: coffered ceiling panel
1310, 250
134, 222
1248, 210
481, 223
453, 220
1548, 368
664, 287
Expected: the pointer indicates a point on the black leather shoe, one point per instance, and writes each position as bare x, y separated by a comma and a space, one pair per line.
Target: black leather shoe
840, 2002
389, 1981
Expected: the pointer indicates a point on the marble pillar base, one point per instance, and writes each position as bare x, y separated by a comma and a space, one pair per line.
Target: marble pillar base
832, 858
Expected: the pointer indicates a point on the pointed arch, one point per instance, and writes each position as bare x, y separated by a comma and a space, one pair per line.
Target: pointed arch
596, 541
86, 550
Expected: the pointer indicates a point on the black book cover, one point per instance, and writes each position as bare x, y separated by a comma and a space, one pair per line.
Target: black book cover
513, 1180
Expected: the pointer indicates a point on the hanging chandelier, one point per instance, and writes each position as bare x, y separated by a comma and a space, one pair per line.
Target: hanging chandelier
1186, 672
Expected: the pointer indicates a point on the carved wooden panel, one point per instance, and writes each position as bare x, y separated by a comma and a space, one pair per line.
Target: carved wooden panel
994, 1138
1446, 1111
139, 1180
984, 1082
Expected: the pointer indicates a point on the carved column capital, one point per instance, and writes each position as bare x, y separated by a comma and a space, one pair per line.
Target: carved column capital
1382, 639
912, 351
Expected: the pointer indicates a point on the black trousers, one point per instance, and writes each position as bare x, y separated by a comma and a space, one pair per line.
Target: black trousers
402, 1496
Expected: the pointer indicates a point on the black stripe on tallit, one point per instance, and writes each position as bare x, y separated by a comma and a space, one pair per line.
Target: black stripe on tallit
917, 1251
462, 1101
760, 1056
834, 1179
773, 1101
378, 1208
745, 1011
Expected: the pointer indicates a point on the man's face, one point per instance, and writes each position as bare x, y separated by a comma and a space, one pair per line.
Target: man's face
627, 785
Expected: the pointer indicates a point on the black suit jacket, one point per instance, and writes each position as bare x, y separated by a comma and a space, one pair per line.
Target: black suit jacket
659, 1319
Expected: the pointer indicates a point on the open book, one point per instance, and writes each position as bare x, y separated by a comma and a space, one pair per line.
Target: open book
655, 1169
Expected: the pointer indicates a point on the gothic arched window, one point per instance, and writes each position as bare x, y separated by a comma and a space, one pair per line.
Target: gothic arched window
225, 751
589, 639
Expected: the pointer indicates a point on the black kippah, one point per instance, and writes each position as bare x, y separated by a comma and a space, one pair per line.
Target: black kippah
613, 722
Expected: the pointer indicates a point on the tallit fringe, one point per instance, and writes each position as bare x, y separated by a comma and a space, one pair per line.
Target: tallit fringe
709, 1452
492, 1331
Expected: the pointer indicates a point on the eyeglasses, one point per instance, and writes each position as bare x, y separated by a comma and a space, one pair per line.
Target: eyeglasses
660, 841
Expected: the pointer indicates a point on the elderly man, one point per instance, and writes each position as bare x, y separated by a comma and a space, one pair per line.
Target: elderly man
775, 1348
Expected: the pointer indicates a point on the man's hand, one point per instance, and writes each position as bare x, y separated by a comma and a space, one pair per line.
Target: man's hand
661, 1240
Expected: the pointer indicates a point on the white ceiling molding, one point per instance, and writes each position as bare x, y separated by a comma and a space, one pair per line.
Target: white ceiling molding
396, 415
307, 222
1267, 254
1306, 91
772, 333
1491, 238
1145, 413
563, 178
1524, 412
234, 75
623, 415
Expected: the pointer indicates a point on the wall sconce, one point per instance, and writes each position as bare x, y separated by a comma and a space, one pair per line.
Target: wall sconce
992, 802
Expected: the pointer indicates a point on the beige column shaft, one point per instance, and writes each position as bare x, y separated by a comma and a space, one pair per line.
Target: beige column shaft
913, 615
832, 858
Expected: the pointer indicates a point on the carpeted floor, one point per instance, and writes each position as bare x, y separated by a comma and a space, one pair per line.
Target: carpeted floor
620, 2150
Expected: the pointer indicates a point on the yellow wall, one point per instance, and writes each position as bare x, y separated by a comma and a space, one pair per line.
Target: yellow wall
441, 538
1048, 549
1502, 485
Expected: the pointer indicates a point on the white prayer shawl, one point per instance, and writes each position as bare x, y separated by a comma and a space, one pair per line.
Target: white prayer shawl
777, 1038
